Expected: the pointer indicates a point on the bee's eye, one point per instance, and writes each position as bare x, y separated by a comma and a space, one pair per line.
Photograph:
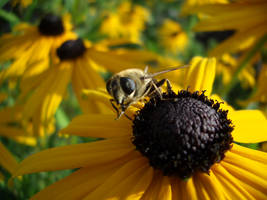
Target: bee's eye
111, 86
127, 85
108, 86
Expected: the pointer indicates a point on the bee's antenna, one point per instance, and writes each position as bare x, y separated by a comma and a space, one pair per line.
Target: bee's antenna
165, 71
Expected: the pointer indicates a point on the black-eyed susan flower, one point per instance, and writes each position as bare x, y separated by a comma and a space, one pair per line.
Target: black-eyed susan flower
178, 147
128, 22
7, 161
30, 47
77, 62
230, 16
172, 37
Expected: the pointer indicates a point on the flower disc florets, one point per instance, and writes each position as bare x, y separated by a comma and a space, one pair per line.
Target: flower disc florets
51, 25
182, 133
71, 49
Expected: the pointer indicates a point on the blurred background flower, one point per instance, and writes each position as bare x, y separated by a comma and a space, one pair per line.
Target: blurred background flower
172, 37
127, 22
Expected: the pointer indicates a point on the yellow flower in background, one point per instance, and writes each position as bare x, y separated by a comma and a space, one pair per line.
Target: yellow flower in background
7, 161
24, 3
15, 127
172, 37
128, 22
30, 47
226, 67
261, 91
162, 154
112, 26
246, 18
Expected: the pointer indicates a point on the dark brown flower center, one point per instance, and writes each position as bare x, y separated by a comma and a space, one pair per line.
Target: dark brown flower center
182, 133
71, 49
51, 25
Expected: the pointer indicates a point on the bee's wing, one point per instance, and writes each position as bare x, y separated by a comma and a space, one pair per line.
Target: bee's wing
164, 71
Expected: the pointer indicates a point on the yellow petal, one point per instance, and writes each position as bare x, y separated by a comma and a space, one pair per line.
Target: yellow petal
76, 156
85, 77
239, 41
99, 96
176, 188
250, 126
208, 186
231, 186
188, 189
35, 101
254, 169
17, 134
224, 105
201, 74
250, 153
111, 61
131, 180
7, 160
55, 92
82, 182
160, 188
98, 125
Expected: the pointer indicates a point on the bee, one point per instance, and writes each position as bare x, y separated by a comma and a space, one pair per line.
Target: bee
131, 85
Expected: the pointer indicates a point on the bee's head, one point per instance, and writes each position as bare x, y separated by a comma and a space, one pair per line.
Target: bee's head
120, 88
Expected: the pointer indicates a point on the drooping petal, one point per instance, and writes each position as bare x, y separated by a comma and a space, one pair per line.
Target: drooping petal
56, 92
7, 160
34, 102
130, 182
76, 156
250, 126
201, 74
85, 77
17, 134
98, 125
112, 61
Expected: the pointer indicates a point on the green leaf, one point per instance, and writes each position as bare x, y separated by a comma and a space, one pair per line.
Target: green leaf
3, 2
8, 16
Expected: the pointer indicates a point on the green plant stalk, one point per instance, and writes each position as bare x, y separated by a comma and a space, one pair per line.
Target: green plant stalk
244, 63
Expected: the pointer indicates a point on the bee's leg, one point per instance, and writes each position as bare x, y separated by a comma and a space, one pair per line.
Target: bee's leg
146, 70
115, 108
169, 87
157, 85
128, 117
123, 108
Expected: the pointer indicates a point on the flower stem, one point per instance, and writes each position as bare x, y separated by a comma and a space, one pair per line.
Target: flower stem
243, 64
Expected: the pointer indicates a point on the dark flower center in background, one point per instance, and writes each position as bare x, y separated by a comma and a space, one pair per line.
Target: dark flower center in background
71, 49
51, 25
182, 133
